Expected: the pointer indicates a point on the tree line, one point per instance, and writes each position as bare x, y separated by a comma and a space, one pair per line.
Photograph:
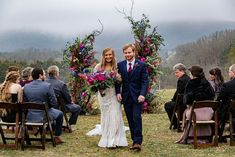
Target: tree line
215, 50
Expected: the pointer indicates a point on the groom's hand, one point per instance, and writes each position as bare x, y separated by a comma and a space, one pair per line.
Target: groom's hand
119, 97
141, 98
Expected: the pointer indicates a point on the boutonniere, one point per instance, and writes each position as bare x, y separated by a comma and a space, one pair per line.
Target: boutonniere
136, 65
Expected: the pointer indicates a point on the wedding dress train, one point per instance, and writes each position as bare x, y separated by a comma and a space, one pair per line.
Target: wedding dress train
112, 129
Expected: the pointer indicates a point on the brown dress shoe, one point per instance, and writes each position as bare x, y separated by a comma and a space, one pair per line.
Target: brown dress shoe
136, 147
58, 140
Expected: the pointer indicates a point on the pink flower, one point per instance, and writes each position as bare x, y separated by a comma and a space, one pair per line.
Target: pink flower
84, 94
90, 80
100, 77
81, 46
143, 59
145, 105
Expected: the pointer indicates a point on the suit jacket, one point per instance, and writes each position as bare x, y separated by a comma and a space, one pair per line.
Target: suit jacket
133, 84
60, 89
40, 92
227, 92
181, 84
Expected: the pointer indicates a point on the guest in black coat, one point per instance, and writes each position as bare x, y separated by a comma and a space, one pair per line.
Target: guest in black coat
227, 93
197, 89
179, 70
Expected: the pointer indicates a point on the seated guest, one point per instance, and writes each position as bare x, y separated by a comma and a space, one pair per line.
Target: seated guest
183, 79
216, 80
26, 76
61, 90
10, 91
13, 68
39, 91
197, 89
227, 93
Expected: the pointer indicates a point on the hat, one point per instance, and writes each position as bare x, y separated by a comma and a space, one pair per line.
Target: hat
196, 71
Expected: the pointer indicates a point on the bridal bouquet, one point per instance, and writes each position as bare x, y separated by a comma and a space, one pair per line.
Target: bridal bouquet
100, 80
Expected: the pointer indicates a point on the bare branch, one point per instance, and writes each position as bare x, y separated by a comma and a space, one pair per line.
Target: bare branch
132, 4
98, 32
123, 10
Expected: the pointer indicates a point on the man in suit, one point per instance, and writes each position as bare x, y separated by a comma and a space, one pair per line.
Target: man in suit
179, 70
226, 94
39, 91
61, 90
134, 89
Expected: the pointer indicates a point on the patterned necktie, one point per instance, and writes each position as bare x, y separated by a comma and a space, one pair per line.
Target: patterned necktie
130, 68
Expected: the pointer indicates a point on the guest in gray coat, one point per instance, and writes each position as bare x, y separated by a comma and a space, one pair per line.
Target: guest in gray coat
61, 90
39, 91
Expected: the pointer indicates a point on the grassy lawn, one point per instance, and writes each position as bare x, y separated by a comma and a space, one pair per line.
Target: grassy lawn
158, 141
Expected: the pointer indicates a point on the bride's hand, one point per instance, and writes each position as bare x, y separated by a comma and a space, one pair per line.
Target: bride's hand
119, 77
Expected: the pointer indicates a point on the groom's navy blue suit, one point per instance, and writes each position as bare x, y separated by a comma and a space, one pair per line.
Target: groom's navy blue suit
134, 84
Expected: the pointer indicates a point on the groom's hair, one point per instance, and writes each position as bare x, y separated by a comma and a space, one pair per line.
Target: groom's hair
127, 46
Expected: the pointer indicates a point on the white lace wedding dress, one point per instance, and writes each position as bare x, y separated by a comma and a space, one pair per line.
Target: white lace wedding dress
112, 129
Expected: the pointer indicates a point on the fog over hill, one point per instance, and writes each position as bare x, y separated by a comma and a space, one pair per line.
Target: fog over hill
174, 33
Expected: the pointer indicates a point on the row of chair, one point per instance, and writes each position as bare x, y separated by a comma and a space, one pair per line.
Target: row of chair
22, 109
194, 122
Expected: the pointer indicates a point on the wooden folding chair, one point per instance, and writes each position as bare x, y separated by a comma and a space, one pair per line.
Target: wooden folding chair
231, 107
178, 110
193, 119
41, 125
62, 104
14, 107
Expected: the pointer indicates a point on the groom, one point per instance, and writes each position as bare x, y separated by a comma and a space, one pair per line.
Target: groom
132, 94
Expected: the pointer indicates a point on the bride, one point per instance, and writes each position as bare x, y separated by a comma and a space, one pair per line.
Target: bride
112, 128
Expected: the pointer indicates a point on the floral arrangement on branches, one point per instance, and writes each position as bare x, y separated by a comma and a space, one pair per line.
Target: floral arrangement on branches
147, 45
79, 56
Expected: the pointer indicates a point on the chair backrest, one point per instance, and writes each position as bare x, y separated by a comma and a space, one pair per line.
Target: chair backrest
25, 106
36, 106
7, 105
206, 103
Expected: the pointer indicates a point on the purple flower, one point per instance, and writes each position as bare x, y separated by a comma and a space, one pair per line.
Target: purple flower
82, 46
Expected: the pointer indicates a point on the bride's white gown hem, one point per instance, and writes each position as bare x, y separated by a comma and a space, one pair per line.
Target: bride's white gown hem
112, 128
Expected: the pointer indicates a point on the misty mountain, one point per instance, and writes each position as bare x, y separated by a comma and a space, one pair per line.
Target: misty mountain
174, 33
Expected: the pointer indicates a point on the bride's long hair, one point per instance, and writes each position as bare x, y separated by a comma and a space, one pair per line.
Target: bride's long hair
103, 62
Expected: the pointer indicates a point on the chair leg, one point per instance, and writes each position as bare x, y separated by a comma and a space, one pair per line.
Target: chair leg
67, 121
231, 130
2, 135
195, 135
51, 134
172, 117
216, 135
22, 136
16, 136
43, 136
178, 120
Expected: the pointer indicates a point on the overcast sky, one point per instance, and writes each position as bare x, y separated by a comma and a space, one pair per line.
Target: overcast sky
68, 17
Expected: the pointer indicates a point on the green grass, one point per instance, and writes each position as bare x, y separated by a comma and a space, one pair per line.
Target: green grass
158, 141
